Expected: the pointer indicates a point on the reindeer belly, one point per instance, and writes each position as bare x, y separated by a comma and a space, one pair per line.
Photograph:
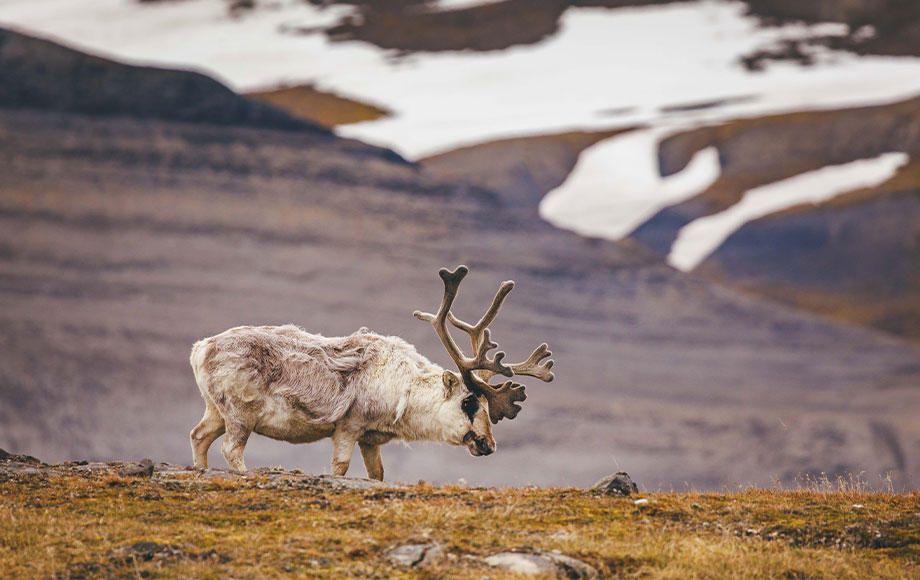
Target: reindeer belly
283, 421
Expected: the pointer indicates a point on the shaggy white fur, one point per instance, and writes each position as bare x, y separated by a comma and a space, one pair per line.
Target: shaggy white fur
288, 384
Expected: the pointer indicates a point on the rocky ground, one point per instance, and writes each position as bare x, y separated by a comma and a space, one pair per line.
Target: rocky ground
159, 520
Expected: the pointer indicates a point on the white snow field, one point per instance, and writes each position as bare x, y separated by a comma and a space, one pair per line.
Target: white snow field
698, 239
616, 186
603, 69
447, 5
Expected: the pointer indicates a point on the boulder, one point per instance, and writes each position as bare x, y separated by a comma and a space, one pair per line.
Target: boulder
416, 555
542, 563
142, 469
618, 483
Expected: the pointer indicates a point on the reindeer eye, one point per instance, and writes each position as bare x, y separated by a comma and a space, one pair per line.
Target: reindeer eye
469, 406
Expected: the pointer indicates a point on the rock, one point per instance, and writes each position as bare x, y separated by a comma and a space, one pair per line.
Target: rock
12, 468
542, 563
356, 483
7, 456
416, 555
147, 551
617, 484
216, 473
142, 469
570, 567
522, 563
94, 466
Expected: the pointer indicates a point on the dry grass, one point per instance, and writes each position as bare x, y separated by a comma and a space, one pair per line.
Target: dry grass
65, 526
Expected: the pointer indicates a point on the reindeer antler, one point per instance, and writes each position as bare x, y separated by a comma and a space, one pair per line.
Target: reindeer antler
477, 372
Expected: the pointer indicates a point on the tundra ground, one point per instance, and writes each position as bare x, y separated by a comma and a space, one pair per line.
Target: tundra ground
73, 521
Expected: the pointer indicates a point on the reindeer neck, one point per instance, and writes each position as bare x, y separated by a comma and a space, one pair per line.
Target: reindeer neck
419, 419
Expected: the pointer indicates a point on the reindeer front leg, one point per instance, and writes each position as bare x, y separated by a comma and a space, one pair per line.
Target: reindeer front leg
372, 461
343, 443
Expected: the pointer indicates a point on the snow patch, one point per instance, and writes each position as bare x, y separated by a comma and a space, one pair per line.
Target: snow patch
450, 5
636, 59
615, 185
698, 239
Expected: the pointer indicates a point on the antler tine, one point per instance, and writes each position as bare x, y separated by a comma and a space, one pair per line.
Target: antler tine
477, 371
466, 365
475, 330
451, 285
533, 367
503, 399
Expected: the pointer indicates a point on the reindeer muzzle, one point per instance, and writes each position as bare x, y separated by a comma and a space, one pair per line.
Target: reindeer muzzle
478, 445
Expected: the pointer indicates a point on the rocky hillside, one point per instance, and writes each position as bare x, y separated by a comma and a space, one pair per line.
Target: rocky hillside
521, 169
38, 74
123, 239
856, 257
419, 25
894, 24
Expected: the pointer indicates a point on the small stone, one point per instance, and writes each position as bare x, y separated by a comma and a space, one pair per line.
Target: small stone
571, 567
142, 469
617, 484
642, 501
215, 473
542, 563
522, 563
356, 483
416, 555
147, 551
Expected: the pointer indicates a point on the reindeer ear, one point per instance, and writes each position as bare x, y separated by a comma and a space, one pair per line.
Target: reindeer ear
451, 382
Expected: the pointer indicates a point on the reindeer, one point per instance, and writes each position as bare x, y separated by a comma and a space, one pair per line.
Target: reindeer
287, 384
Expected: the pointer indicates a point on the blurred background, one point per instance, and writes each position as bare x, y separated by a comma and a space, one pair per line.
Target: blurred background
711, 210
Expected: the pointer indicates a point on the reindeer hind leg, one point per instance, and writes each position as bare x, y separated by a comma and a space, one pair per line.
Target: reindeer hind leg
234, 444
203, 435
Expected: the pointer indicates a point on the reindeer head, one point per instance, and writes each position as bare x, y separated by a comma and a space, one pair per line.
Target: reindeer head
483, 399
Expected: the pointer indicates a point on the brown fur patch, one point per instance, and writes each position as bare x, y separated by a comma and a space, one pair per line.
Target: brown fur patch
209, 363
265, 362
296, 403
376, 437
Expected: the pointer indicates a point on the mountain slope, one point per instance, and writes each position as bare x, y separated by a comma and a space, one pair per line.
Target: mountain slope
123, 240
854, 257
39, 74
